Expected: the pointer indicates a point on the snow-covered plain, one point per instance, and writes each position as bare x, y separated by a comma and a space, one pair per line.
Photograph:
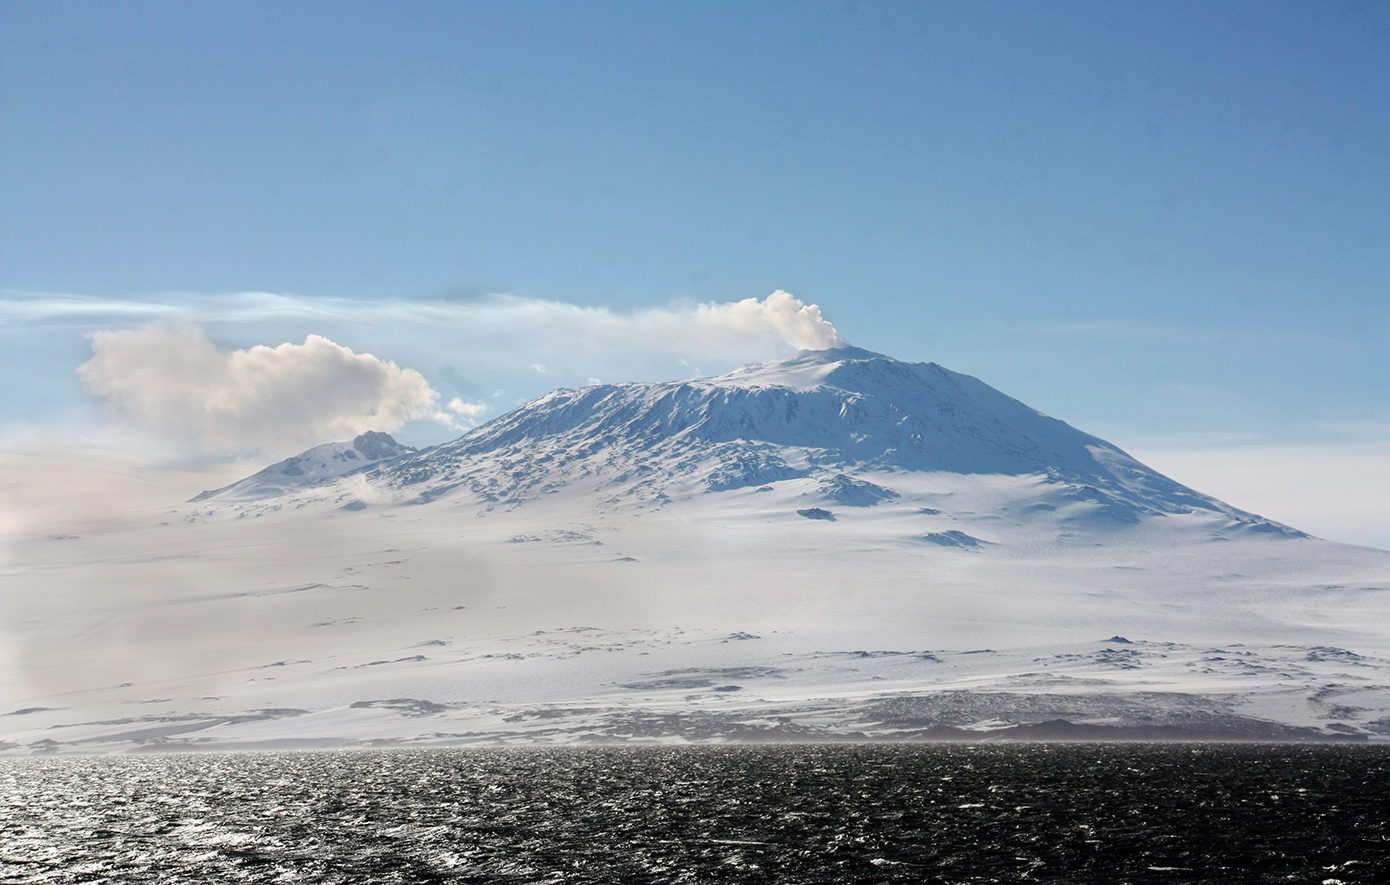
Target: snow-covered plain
833, 545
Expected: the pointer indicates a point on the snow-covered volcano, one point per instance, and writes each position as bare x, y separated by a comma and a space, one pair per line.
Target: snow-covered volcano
827, 416
836, 543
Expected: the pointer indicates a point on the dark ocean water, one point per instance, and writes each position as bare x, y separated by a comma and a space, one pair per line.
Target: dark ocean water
787, 814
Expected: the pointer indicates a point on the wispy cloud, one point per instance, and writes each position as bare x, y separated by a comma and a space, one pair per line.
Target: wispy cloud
713, 325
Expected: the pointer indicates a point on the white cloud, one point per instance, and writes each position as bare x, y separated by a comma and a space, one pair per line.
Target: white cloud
470, 411
718, 329
174, 383
798, 324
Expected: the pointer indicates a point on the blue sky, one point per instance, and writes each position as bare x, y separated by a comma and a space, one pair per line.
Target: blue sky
1165, 223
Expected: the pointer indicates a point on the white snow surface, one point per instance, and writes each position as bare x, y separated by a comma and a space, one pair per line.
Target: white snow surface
636, 561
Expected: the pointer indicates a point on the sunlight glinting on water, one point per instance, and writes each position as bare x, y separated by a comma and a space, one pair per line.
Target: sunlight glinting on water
865, 813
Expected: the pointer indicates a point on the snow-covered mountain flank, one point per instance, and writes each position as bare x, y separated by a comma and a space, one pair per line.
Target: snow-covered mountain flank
835, 543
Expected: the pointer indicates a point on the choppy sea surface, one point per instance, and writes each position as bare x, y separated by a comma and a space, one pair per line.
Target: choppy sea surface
785, 814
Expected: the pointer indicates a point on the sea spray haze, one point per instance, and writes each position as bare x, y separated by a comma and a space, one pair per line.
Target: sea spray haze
832, 544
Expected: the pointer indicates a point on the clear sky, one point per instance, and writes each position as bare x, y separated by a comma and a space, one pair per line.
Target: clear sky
1165, 223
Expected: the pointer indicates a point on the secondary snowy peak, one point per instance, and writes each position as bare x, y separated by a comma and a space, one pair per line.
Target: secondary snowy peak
318, 465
